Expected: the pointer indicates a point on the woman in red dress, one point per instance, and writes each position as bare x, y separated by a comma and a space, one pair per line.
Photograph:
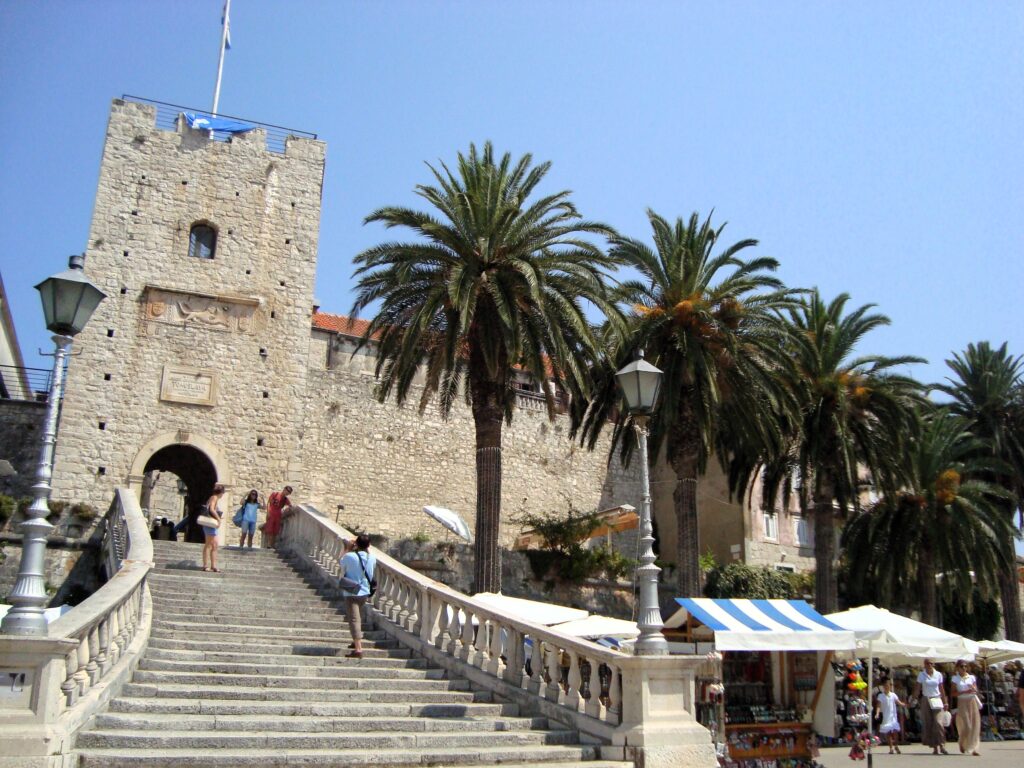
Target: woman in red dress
276, 506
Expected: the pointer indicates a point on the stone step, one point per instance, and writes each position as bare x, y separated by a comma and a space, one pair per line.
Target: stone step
158, 723
312, 655
302, 706
188, 580
173, 639
513, 756
200, 607
337, 623
244, 739
339, 677
274, 669
288, 693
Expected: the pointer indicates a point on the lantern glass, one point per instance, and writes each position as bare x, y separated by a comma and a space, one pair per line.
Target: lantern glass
640, 383
69, 299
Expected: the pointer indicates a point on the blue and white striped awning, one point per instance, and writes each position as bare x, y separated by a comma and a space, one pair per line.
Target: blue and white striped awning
763, 625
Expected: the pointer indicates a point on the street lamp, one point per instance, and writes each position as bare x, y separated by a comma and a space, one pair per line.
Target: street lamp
640, 383
69, 300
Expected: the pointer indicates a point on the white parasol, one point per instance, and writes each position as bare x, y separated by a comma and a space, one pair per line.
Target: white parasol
594, 627
451, 521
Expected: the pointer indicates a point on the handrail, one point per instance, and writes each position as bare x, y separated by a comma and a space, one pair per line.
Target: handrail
106, 623
599, 689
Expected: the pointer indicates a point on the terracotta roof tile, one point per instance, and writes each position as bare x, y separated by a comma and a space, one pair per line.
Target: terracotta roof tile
341, 324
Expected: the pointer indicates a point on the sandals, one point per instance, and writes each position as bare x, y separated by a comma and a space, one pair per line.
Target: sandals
354, 655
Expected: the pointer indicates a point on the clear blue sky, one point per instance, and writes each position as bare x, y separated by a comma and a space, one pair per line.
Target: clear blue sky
872, 147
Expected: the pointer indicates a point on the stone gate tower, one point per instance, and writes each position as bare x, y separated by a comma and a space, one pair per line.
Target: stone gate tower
196, 363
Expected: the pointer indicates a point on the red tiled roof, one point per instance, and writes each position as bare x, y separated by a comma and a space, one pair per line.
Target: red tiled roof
341, 324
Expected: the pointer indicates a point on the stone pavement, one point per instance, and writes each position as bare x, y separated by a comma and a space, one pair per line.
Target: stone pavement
994, 754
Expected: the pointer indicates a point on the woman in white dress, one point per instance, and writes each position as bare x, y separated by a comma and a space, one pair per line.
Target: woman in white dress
968, 709
887, 703
931, 699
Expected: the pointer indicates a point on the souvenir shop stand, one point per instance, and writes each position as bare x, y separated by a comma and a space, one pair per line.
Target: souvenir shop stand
774, 658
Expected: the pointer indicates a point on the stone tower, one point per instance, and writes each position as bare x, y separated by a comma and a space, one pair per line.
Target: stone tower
196, 363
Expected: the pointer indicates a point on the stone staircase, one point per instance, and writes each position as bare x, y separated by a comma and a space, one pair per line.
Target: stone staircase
247, 667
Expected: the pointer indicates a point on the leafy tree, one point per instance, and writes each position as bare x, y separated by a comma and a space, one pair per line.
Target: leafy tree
945, 521
988, 389
855, 414
708, 321
496, 279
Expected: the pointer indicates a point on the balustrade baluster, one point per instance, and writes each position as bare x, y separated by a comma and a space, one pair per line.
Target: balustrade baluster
553, 660
82, 675
443, 620
70, 685
481, 635
575, 682
454, 630
466, 638
593, 705
428, 611
537, 669
613, 713
94, 668
496, 639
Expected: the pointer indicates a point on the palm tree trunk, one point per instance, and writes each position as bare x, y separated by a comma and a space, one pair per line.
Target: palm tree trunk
687, 521
926, 583
488, 416
1009, 595
826, 598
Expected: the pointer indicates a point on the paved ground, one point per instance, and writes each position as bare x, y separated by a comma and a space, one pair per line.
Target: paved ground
994, 754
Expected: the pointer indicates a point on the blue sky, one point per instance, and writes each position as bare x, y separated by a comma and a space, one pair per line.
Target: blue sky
872, 147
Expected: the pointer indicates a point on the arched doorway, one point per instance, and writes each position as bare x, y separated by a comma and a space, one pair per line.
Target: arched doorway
174, 473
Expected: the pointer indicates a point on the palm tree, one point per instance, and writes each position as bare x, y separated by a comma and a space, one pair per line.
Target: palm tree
988, 390
709, 322
944, 520
495, 281
855, 415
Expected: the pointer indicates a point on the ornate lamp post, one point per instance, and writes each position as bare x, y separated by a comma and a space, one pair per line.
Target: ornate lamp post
69, 300
640, 383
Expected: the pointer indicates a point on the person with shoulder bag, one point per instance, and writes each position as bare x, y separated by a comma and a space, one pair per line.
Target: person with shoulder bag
931, 698
358, 584
209, 521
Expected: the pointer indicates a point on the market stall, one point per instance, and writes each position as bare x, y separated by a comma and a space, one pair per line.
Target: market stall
775, 659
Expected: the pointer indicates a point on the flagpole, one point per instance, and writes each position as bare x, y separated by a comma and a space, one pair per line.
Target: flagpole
220, 61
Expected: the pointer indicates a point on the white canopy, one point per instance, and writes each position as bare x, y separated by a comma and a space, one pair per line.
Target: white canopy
594, 627
895, 637
998, 651
532, 611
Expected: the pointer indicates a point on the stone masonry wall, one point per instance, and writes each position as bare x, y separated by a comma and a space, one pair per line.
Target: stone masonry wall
21, 428
238, 323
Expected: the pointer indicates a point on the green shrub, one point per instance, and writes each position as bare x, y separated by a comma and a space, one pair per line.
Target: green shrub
740, 580
8, 505
84, 511
563, 555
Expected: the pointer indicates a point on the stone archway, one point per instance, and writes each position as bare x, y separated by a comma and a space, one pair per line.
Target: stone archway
193, 459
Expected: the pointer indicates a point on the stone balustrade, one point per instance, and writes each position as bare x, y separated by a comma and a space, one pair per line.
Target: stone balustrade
87, 654
641, 707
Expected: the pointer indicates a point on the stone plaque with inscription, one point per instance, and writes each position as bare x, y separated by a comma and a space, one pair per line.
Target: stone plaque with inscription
188, 385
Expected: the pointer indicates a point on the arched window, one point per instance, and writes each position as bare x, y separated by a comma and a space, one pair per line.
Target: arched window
202, 241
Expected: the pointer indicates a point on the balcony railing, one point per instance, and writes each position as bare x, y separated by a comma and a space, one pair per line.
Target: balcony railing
20, 383
167, 120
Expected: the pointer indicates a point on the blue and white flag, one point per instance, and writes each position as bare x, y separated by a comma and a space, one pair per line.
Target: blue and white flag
226, 23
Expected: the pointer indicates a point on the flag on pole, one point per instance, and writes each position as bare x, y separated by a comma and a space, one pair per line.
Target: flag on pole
226, 22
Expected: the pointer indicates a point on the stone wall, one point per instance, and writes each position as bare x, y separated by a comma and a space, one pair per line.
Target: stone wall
384, 463
202, 353
21, 429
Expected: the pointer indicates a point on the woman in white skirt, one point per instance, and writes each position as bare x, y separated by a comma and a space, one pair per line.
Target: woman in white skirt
931, 699
886, 704
968, 709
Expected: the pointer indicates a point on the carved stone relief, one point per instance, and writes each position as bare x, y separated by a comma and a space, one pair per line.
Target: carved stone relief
233, 314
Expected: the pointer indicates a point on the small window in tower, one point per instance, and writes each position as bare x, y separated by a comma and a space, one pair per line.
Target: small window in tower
202, 241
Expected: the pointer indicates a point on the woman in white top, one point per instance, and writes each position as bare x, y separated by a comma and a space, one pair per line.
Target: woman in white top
929, 691
968, 709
